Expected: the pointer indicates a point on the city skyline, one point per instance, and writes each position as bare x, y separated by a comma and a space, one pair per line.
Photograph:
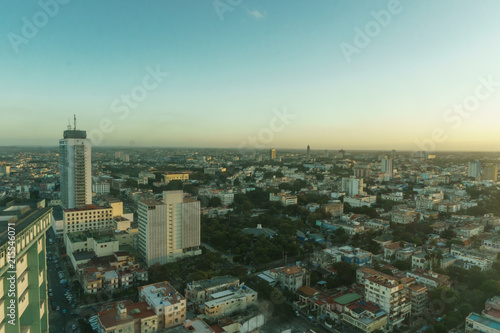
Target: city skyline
214, 77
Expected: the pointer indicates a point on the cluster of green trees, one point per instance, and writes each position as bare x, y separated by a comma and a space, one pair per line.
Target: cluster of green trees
204, 266
471, 289
226, 235
415, 233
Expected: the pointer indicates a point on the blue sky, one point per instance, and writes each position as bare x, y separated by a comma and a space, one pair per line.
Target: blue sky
227, 77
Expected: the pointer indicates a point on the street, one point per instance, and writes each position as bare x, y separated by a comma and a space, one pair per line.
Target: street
58, 322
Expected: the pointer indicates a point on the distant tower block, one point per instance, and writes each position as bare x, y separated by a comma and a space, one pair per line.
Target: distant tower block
75, 168
272, 154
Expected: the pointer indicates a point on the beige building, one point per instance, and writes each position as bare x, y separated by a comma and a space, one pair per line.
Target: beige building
169, 229
175, 176
490, 172
293, 277
128, 317
365, 317
91, 217
336, 208
198, 292
403, 215
390, 295
166, 302
284, 198
226, 302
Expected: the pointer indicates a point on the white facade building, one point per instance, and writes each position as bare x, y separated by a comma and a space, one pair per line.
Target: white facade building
169, 230
352, 186
75, 169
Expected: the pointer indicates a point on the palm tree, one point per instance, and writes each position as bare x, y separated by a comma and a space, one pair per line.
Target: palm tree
430, 258
439, 257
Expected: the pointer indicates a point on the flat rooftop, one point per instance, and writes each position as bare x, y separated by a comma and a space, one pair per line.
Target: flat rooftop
214, 282
484, 321
22, 216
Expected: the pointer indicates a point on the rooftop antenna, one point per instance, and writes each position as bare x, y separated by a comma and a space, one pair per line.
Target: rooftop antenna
74, 121
69, 124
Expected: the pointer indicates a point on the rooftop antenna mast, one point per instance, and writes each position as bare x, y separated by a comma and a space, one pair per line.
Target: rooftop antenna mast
69, 124
74, 121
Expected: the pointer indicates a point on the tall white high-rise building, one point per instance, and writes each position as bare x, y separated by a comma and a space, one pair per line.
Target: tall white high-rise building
474, 169
308, 153
352, 186
75, 169
386, 166
169, 229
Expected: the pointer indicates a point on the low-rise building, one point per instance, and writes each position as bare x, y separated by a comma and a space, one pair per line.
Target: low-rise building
285, 198
166, 302
198, 292
229, 301
293, 277
335, 208
360, 200
479, 323
355, 255
469, 230
430, 279
365, 317
128, 317
403, 215
325, 258
175, 176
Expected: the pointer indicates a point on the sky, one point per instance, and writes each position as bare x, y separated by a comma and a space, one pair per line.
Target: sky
407, 75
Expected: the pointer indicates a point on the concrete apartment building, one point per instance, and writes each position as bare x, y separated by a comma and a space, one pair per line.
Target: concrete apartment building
169, 229
128, 317
175, 176
488, 321
362, 171
160, 307
352, 186
293, 277
430, 279
386, 167
474, 169
403, 215
198, 292
490, 172
361, 200
470, 230
91, 217
75, 169
364, 317
390, 295
227, 302
168, 304
335, 208
284, 198
30, 302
